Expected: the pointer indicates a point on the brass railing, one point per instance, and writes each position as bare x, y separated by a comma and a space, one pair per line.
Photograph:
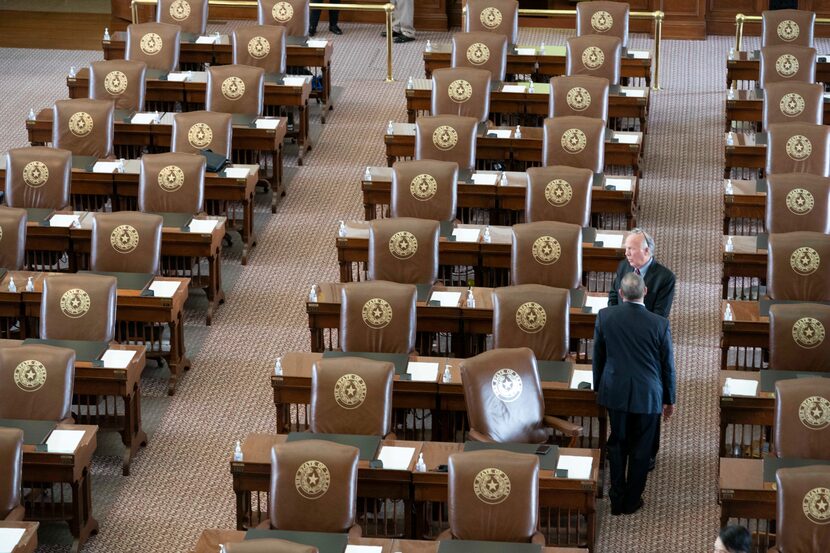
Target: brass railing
740, 19
387, 8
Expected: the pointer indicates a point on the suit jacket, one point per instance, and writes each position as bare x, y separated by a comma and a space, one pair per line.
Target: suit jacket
659, 281
633, 360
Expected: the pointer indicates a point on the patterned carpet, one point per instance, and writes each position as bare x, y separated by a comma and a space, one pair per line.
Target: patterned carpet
181, 484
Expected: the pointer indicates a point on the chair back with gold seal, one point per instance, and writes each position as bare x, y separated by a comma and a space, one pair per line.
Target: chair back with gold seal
797, 266
802, 418
78, 307
579, 95
793, 102
797, 201
12, 238
574, 141
172, 183
156, 44
481, 50
84, 126
798, 148
38, 177
532, 316
559, 193
11, 477
126, 242
260, 46
404, 249
461, 91
493, 16
794, 27
787, 63
798, 338
190, 15
122, 81
194, 131
447, 138
269, 545
291, 14
37, 382
236, 89
378, 316
594, 55
425, 189
547, 252
801, 511
603, 18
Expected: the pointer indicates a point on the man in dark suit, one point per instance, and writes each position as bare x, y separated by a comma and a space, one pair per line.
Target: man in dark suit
639, 258
634, 378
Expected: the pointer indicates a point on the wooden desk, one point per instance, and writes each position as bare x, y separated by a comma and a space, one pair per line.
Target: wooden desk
748, 332
746, 66
744, 151
745, 261
747, 416
743, 494
748, 106
745, 202
28, 541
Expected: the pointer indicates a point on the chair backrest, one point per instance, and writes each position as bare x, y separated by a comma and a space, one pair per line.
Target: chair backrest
547, 252
404, 249
312, 476
126, 242
802, 418
798, 148
172, 182
559, 193
156, 44
78, 307
793, 102
121, 81
426, 189
797, 266
351, 395
260, 46
798, 337
37, 382
797, 201
38, 177
574, 141
801, 512
603, 18
787, 27
481, 50
194, 131
787, 63
461, 91
532, 316
190, 15
447, 138
579, 95
11, 477
378, 316
12, 238
594, 55
84, 126
235, 89
503, 395
291, 14
493, 16
269, 545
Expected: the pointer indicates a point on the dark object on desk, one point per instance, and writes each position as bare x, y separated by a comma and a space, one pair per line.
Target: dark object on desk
34, 432
324, 542
368, 445
176, 220
547, 461
472, 546
214, 162
87, 351
583, 386
554, 371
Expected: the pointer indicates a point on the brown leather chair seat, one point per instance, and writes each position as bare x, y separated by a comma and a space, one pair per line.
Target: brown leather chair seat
582, 95
11, 474
574, 141
120, 81
787, 63
172, 183
798, 148
797, 202
798, 336
481, 50
235, 89
404, 250
37, 382
447, 138
532, 316
559, 193
190, 15
603, 18
84, 126
594, 55
802, 407
260, 46
291, 14
461, 91
378, 316
794, 27
797, 266
547, 252
493, 16
78, 307
801, 509
425, 189
12, 238
126, 242
38, 177
194, 131
156, 44
793, 102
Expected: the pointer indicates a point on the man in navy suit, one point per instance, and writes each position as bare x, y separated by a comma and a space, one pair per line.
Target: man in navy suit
634, 378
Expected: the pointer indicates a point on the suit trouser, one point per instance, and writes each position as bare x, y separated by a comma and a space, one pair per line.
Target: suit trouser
314, 18
629, 447
403, 18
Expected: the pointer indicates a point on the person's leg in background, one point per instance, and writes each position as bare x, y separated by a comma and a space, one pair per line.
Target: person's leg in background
334, 15
405, 18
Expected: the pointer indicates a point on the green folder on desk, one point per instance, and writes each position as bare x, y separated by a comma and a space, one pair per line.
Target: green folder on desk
475, 546
83, 163
127, 281
34, 432
548, 461
85, 350
175, 220
772, 464
368, 445
400, 360
554, 371
38, 215
770, 376
323, 541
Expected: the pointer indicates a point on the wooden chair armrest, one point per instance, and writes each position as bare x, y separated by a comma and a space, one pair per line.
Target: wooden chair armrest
476, 436
563, 426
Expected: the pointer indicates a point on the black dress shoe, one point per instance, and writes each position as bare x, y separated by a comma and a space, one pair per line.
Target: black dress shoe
616, 511
394, 34
652, 462
312, 31
400, 39
335, 30
636, 508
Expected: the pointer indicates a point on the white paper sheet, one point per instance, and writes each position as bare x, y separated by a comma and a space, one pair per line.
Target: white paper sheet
422, 372
64, 441
596, 303
513, 88
317, 43
526, 51
639, 54
237, 172
143, 118
626, 138
294, 81
501, 133
634, 92
105, 166
202, 226
610, 240
267, 123
447, 299
206, 40
62, 220
164, 288
177, 77
741, 387
117, 358
396, 458
578, 466
364, 549
9, 538
485, 178
619, 184
466, 234
581, 376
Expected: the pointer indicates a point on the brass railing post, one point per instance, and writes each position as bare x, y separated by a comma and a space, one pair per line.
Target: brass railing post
739, 31
658, 39
389, 8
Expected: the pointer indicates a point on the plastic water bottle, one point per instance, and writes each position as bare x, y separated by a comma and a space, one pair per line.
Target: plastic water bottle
106, 33
727, 391
530, 85
729, 190
730, 246
730, 140
368, 174
728, 315
73, 71
447, 376
30, 285
518, 133
122, 165
428, 46
487, 236
503, 178
410, 83
341, 229
31, 116
471, 300
278, 367
12, 285
312, 295
157, 117
421, 465
237, 452
390, 127
542, 47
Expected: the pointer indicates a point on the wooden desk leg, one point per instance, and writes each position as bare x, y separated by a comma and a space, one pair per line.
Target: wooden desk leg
133, 436
603, 442
591, 530
722, 444
327, 103
215, 294
243, 505
317, 340
277, 188
178, 361
410, 115
83, 524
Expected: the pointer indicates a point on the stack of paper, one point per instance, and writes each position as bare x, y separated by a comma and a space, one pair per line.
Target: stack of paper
466, 234
63, 220
9, 538
206, 39
578, 466
177, 77
485, 178
635, 92
294, 81
267, 123
317, 43
501, 133
446, 299
422, 372
741, 387
582, 376
202, 226
513, 88
639, 54
626, 138
364, 549
237, 172
609, 240
596, 303
117, 358
619, 184
64, 441
526, 51
105, 167
143, 118
164, 288
396, 458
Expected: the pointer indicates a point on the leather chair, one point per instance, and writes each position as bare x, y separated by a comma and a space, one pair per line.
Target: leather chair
547, 252
121, 81
12, 238
377, 316
793, 102
787, 27
351, 395
291, 14
797, 201
268, 545
799, 338
798, 148
78, 307
481, 51
190, 15
235, 89
37, 382
594, 55
425, 189
559, 193
404, 250
313, 476
579, 95
156, 44
532, 316
126, 242
493, 16
461, 91
260, 46
38, 177
194, 131
447, 138
172, 183
797, 266
83, 126
603, 18
574, 141
801, 509
11, 481
802, 418
786, 63
504, 400
493, 496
